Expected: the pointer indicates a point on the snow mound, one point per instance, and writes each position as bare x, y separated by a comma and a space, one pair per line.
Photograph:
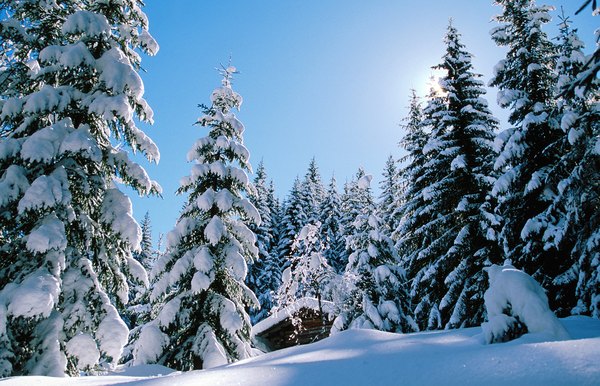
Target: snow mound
515, 301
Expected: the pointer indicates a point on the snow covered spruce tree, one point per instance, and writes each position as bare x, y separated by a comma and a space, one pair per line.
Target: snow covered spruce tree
456, 225
69, 91
312, 192
146, 254
411, 172
570, 225
264, 274
389, 197
332, 230
377, 296
355, 200
309, 273
526, 158
293, 218
587, 77
198, 295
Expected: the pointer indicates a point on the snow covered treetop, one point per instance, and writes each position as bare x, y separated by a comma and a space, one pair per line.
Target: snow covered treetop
224, 97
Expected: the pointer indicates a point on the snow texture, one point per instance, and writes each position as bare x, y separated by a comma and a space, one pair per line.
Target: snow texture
149, 344
85, 22
83, 347
370, 357
35, 296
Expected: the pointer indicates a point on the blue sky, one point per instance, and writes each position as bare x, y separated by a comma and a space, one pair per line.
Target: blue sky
328, 79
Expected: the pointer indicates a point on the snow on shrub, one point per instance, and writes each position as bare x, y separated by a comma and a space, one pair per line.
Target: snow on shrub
516, 304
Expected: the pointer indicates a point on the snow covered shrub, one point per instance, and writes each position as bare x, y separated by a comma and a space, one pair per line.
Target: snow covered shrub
517, 304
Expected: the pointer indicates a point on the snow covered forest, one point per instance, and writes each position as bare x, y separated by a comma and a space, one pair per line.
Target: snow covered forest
84, 287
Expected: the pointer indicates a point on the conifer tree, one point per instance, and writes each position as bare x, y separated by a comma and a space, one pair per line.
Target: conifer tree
146, 254
312, 192
417, 174
456, 229
377, 296
587, 77
526, 84
70, 90
293, 218
411, 172
138, 308
264, 274
309, 273
199, 296
388, 199
356, 200
332, 230
570, 224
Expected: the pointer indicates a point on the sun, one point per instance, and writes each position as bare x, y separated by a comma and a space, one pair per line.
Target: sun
433, 84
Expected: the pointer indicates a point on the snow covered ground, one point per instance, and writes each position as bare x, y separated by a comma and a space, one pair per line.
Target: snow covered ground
367, 357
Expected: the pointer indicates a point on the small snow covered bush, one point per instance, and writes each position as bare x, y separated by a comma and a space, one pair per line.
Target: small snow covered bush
517, 304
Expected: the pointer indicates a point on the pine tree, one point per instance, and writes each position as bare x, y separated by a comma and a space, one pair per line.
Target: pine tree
526, 157
199, 296
331, 229
264, 276
411, 173
377, 296
356, 200
138, 308
388, 199
293, 218
146, 254
70, 90
587, 77
456, 229
312, 193
570, 224
417, 175
309, 273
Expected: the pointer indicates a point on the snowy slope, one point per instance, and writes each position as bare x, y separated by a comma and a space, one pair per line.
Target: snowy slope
367, 357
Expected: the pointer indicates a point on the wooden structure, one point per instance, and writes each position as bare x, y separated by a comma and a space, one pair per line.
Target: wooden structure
301, 323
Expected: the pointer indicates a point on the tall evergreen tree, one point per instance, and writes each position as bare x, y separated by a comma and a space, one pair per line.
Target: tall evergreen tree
417, 175
264, 276
138, 308
356, 200
69, 90
526, 83
146, 254
389, 197
309, 273
332, 230
587, 77
293, 218
456, 229
570, 225
411, 172
199, 296
377, 296
312, 192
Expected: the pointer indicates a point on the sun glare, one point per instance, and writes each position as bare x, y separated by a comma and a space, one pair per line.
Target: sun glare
434, 82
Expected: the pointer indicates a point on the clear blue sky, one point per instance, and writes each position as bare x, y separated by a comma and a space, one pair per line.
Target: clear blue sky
328, 79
